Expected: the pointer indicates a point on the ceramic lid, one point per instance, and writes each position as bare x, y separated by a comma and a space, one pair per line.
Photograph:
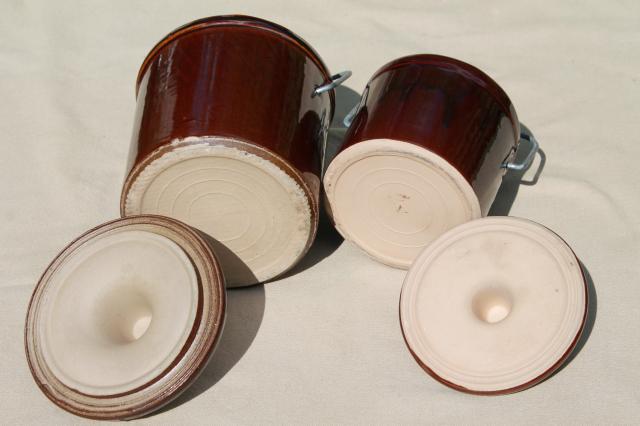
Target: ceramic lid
125, 317
494, 305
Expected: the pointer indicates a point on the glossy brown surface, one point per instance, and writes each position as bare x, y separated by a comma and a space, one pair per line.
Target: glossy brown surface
439, 103
233, 76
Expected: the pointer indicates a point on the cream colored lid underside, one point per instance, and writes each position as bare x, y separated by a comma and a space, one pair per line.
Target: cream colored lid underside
117, 312
493, 304
259, 216
393, 198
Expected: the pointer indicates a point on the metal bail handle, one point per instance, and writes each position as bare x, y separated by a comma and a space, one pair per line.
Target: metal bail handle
336, 80
524, 164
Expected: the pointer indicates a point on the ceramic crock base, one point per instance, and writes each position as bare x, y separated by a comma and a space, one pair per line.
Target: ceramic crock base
260, 217
125, 317
494, 305
393, 198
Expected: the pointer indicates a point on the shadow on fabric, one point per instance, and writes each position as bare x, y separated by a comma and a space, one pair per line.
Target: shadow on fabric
502, 206
244, 313
328, 239
592, 312
513, 179
245, 306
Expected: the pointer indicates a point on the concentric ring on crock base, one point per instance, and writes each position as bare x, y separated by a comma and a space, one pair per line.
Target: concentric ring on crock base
205, 332
447, 256
392, 198
242, 195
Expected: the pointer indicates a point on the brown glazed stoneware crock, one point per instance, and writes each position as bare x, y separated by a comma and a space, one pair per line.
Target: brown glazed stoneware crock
425, 151
231, 121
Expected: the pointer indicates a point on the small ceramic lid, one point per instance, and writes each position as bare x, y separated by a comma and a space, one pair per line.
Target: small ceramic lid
494, 305
125, 318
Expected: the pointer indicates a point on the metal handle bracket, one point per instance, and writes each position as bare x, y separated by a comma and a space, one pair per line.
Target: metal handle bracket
524, 164
336, 80
348, 119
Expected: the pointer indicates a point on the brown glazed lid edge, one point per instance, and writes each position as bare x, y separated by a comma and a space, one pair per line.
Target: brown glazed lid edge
442, 61
191, 371
238, 20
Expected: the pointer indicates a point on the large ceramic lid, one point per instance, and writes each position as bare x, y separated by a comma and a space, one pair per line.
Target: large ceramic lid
125, 318
494, 305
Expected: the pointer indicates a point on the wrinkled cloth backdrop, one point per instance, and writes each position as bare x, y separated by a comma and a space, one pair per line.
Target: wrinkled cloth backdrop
324, 343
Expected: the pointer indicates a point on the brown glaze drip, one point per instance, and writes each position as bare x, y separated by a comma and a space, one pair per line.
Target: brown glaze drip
439, 103
234, 76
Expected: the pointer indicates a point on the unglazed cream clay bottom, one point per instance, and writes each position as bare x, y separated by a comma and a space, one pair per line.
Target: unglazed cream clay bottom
257, 214
393, 198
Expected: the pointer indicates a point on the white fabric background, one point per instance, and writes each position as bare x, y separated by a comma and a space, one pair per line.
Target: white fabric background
324, 344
